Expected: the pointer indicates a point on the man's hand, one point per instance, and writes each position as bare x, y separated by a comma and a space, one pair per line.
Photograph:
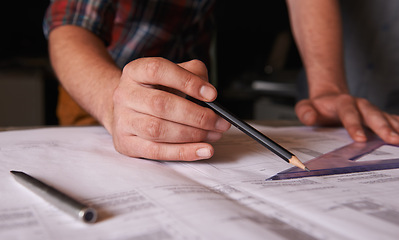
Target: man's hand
353, 113
152, 119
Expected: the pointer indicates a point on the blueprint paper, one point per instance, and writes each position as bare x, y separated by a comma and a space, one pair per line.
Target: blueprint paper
225, 197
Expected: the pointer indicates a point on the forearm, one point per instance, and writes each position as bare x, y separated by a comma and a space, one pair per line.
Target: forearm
318, 33
85, 69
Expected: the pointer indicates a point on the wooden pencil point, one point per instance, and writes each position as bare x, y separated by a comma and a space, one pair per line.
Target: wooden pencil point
296, 162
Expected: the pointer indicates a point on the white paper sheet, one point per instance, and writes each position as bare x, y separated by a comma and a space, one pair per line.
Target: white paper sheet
225, 197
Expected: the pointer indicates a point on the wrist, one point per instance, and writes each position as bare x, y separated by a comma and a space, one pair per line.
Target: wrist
105, 106
324, 82
326, 90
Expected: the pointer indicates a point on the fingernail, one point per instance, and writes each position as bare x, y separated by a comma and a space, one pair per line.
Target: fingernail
204, 153
207, 92
360, 135
222, 125
307, 116
213, 136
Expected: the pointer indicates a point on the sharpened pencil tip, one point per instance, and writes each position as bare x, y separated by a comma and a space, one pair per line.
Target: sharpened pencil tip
307, 169
296, 162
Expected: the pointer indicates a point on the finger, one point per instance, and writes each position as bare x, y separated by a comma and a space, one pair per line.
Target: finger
376, 120
159, 71
196, 67
173, 108
350, 117
134, 146
159, 130
306, 112
394, 122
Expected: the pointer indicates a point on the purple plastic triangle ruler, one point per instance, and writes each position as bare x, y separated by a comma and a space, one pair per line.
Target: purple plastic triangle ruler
342, 160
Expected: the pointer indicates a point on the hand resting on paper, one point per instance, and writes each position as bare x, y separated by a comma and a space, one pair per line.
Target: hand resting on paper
353, 113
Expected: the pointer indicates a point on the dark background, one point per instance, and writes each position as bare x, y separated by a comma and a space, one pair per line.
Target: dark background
246, 35
21, 27
23, 47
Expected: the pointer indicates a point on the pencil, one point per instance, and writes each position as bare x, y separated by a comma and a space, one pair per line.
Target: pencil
253, 133
57, 198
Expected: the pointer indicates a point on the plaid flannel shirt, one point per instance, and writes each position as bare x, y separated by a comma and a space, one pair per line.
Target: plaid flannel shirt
178, 30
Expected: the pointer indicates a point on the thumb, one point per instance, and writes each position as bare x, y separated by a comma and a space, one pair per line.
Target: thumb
306, 112
197, 67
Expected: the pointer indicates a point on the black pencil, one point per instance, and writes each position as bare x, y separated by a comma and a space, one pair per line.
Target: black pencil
253, 133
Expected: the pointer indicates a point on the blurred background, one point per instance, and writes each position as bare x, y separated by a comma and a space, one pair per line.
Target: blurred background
28, 90
255, 68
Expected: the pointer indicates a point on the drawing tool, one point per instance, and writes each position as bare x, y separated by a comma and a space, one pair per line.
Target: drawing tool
252, 132
57, 198
343, 160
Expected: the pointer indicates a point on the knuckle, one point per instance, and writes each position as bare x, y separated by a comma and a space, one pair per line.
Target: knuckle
152, 68
202, 119
159, 103
188, 81
153, 129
